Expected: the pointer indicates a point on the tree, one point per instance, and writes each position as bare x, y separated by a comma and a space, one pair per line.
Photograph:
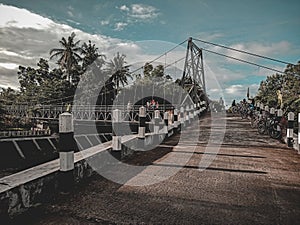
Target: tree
2, 116
158, 72
288, 84
155, 83
69, 54
90, 54
41, 85
9, 95
28, 83
119, 71
153, 72
267, 92
148, 68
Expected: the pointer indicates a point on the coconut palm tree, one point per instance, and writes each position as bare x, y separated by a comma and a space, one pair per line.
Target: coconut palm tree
119, 71
69, 54
90, 54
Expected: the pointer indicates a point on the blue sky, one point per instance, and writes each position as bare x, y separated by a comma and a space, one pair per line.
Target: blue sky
267, 27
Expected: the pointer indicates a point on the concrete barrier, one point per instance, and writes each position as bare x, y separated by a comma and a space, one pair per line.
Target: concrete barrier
28, 151
295, 143
24, 152
37, 185
29, 188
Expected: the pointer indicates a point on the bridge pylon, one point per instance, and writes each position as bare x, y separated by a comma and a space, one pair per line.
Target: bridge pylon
193, 79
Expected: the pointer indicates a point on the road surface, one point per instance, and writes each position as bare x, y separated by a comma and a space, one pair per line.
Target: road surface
252, 180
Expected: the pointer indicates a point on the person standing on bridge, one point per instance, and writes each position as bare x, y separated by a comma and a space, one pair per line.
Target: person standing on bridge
68, 107
157, 105
279, 97
233, 103
221, 102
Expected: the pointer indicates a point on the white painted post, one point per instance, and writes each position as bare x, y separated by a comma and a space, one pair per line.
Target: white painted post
290, 129
156, 121
204, 106
272, 112
116, 139
261, 106
66, 150
191, 113
279, 116
142, 125
267, 108
166, 123
175, 119
129, 111
195, 110
156, 127
181, 118
171, 118
257, 106
187, 118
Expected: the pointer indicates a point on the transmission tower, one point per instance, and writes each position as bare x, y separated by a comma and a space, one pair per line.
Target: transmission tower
193, 78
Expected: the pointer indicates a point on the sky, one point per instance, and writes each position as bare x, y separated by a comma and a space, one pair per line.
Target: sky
143, 29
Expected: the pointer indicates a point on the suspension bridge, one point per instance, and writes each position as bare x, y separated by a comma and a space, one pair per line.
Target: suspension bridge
184, 163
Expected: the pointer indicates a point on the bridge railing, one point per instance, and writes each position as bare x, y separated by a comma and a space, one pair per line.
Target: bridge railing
24, 133
82, 112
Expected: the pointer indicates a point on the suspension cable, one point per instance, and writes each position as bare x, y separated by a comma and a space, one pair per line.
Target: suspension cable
242, 51
245, 61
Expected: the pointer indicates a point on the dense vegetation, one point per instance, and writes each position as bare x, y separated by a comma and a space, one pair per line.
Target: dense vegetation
282, 86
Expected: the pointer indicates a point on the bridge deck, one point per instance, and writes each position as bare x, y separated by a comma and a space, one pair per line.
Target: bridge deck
253, 180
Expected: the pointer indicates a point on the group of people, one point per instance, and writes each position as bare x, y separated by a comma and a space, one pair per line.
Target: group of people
152, 104
250, 102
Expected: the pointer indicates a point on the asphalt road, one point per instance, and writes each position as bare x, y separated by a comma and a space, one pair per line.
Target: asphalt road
252, 180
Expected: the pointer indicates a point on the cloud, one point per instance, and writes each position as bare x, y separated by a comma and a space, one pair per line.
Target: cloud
265, 49
9, 66
240, 90
70, 13
266, 72
23, 44
8, 78
70, 10
104, 22
124, 8
25, 37
234, 91
135, 13
120, 26
216, 68
209, 36
142, 11
139, 13
271, 50
15, 17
